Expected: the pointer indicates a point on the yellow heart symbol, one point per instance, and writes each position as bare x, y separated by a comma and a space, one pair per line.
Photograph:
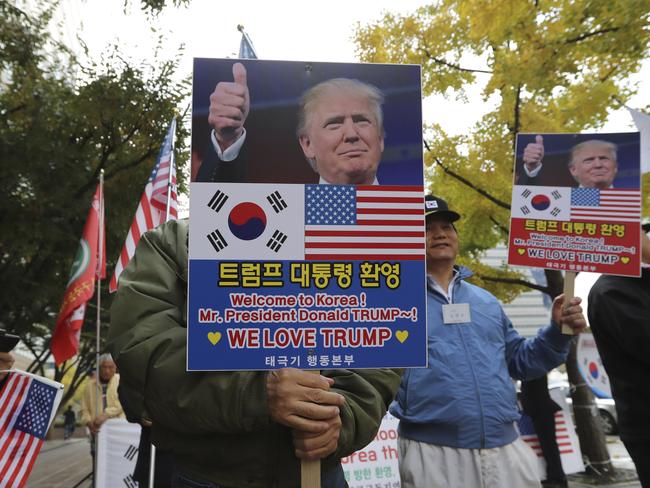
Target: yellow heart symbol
521, 251
214, 337
625, 260
402, 335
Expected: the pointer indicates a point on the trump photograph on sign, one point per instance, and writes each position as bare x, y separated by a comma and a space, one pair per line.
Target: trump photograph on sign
578, 160
257, 121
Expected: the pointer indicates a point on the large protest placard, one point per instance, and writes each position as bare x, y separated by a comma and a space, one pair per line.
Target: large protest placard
576, 203
306, 243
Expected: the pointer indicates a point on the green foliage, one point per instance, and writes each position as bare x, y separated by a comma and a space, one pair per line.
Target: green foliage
552, 66
61, 123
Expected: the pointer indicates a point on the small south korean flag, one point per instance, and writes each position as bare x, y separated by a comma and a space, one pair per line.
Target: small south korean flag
541, 202
246, 221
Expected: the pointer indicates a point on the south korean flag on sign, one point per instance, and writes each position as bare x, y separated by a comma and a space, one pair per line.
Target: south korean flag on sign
246, 221
541, 202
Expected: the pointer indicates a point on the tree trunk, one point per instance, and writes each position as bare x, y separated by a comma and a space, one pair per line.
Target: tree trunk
588, 426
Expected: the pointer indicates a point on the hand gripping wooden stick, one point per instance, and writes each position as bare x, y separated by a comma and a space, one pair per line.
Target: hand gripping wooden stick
310, 470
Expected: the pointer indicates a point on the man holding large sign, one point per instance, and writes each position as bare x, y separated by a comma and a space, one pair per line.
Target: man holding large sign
281, 278
235, 428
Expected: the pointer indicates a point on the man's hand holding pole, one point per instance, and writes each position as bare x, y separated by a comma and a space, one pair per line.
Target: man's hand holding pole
302, 401
567, 312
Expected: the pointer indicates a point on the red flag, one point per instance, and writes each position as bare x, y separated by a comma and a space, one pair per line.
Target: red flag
152, 209
81, 285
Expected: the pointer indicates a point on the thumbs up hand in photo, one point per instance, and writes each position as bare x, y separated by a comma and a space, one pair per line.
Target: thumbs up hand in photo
229, 107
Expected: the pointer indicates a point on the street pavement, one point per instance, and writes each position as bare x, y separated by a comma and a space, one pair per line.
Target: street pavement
67, 464
621, 461
62, 464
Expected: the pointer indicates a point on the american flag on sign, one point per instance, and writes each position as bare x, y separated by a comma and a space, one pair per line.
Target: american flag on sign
27, 407
561, 434
611, 205
152, 209
364, 222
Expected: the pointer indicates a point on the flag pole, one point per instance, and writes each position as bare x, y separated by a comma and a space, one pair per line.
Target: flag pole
240, 28
98, 275
172, 164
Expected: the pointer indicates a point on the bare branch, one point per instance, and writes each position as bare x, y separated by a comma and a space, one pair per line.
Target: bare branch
514, 281
587, 35
501, 227
471, 185
452, 65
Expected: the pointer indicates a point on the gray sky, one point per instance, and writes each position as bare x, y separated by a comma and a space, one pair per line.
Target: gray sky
284, 30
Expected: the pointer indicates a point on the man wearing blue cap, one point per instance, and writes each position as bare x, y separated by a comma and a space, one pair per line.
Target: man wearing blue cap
458, 416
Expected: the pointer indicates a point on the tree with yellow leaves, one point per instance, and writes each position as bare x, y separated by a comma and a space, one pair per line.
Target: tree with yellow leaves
552, 66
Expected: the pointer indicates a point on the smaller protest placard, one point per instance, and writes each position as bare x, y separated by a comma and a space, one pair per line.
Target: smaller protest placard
591, 366
376, 464
117, 453
576, 203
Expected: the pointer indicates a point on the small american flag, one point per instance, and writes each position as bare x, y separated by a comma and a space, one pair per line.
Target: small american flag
611, 205
152, 209
364, 222
27, 407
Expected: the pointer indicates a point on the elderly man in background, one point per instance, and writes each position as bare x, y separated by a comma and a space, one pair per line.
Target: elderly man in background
340, 130
100, 401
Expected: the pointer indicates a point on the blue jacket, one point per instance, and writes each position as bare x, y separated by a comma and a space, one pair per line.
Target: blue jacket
465, 398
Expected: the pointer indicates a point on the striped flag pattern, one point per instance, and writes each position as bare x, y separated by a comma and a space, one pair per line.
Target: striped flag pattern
561, 435
152, 209
364, 222
27, 407
611, 205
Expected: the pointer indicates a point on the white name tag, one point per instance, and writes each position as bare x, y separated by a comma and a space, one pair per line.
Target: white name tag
456, 313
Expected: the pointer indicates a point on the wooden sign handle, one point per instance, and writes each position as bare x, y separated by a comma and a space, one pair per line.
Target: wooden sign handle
310, 474
569, 293
310, 470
